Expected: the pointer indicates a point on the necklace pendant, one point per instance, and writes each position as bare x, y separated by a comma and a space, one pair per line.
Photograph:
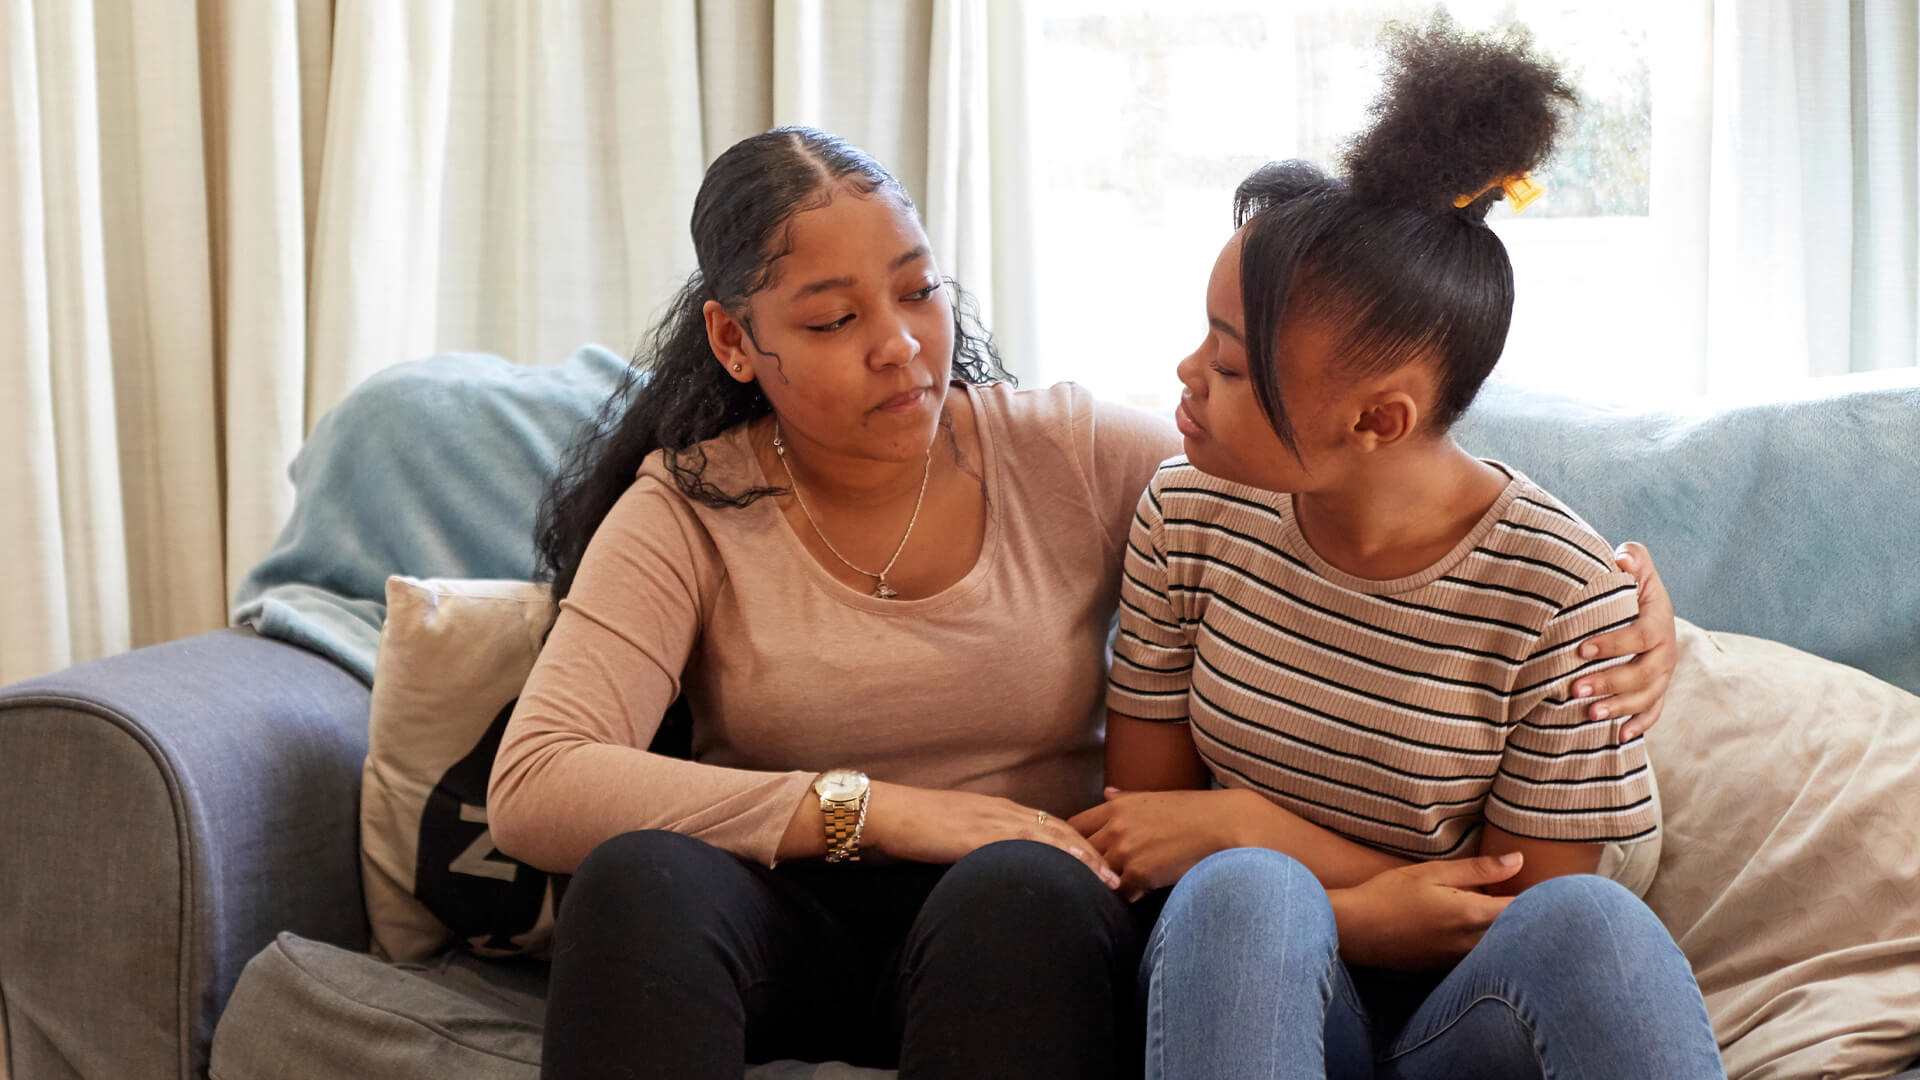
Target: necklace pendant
884, 591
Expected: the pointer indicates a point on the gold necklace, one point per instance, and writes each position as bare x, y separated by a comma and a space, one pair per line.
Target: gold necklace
881, 589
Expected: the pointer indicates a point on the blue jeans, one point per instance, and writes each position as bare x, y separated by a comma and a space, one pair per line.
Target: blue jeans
1243, 978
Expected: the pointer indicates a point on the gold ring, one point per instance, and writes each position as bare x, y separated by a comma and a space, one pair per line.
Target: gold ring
1040, 818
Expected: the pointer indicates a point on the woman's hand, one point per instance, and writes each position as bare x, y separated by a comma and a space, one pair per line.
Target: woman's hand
1637, 688
924, 825
1150, 838
1422, 916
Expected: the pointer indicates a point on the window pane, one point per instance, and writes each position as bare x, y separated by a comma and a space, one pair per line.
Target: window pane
1148, 116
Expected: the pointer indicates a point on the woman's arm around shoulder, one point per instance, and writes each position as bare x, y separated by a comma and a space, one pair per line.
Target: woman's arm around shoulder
573, 768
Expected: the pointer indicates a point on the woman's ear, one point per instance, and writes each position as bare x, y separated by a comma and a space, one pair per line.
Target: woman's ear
729, 341
1386, 420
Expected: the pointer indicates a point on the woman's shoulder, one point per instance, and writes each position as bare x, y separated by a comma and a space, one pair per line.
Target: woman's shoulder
724, 462
1034, 407
674, 503
1538, 527
1068, 416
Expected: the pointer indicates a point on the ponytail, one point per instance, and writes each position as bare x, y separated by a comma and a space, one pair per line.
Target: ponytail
673, 398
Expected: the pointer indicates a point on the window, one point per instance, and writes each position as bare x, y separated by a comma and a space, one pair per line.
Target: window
1147, 117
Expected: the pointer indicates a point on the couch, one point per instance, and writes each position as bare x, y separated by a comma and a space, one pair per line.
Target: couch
174, 815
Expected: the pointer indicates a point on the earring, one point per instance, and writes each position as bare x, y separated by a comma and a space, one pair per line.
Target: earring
736, 368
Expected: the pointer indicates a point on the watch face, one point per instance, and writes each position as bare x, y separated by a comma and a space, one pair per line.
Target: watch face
841, 785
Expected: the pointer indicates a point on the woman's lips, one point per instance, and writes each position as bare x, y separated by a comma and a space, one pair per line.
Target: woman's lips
1188, 426
906, 401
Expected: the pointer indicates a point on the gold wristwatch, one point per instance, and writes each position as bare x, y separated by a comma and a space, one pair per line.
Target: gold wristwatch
843, 802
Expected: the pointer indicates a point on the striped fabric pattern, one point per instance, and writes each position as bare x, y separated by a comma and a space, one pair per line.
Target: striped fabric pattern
1401, 714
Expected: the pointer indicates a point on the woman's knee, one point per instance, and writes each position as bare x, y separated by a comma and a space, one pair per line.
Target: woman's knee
1577, 905
1591, 970
650, 876
1024, 872
1240, 889
1025, 890
1590, 930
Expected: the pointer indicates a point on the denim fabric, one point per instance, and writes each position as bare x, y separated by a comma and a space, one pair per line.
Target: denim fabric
1791, 519
165, 813
1576, 979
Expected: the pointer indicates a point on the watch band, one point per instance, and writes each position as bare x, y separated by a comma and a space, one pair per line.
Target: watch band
844, 821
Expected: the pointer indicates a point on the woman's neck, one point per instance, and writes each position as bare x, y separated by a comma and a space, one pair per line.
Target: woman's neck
828, 477
1400, 513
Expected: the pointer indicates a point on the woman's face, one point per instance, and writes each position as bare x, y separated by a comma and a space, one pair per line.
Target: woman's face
853, 341
1227, 433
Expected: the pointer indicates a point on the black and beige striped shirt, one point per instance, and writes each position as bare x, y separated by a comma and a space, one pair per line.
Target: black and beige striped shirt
1402, 713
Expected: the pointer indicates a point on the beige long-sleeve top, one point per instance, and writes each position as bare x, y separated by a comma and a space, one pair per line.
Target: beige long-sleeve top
994, 685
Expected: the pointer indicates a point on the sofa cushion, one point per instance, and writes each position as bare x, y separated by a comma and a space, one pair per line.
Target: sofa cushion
1791, 871
304, 1010
453, 656
1790, 516
452, 659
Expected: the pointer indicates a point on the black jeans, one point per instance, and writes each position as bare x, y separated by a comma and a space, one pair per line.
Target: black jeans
672, 958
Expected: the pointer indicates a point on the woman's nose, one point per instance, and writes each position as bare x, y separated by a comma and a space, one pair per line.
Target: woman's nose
1190, 374
897, 346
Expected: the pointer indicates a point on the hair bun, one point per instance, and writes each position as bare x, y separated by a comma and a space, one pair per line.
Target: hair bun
1457, 111
1275, 183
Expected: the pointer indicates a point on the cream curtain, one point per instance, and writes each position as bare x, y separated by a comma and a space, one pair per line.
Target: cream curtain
1808, 179
219, 216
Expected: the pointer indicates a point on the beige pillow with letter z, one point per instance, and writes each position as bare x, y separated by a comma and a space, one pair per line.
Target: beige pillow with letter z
453, 657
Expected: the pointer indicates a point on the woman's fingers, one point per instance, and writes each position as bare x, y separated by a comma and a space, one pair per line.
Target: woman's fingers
1061, 835
1099, 867
1643, 722
1086, 855
1632, 558
1089, 821
1636, 637
1101, 841
1472, 872
1633, 703
1620, 686
1654, 626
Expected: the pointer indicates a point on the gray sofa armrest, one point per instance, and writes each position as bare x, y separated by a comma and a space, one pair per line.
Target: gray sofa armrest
163, 814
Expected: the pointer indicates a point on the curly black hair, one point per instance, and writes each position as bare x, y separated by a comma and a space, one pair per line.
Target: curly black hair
675, 396
1382, 254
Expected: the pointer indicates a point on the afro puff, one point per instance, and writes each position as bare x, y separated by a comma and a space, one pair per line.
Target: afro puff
1381, 254
1457, 111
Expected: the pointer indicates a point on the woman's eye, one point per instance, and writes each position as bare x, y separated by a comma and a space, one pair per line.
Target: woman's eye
828, 328
923, 294
1228, 372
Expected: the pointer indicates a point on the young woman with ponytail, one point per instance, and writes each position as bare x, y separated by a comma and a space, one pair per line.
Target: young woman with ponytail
1352, 701
884, 581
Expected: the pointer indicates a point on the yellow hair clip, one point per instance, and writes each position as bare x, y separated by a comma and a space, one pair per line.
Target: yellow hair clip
1521, 191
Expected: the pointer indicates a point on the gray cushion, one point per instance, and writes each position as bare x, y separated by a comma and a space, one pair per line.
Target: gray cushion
305, 1010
